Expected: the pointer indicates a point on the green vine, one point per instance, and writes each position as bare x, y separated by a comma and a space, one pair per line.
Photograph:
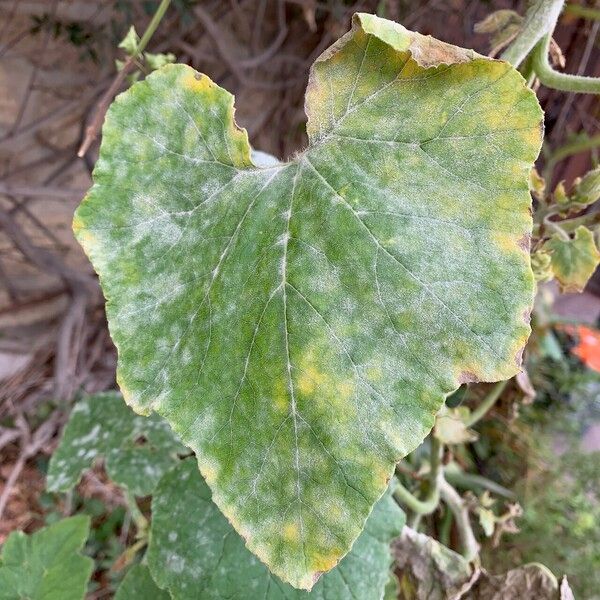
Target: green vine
560, 81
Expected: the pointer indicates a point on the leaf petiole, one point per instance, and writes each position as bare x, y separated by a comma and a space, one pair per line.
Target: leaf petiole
487, 403
540, 20
560, 81
136, 514
430, 503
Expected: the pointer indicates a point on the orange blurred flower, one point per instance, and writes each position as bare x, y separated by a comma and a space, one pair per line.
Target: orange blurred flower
588, 344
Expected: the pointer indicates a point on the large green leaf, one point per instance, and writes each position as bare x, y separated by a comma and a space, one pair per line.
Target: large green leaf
195, 553
46, 565
300, 325
137, 450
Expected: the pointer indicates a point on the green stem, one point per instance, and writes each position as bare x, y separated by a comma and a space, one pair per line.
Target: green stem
487, 403
556, 228
130, 553
94, 127
476, 483
589, 219
415, 521
431, 501
560, 81
421, 507
446, 527
128, 556
154, 22
569, 149
540, 20
574, 147
527, 71
593, 14
136, 514
470, 547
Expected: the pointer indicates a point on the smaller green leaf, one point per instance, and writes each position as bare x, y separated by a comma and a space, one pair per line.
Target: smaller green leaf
137, 450
195, 553
139, 585
487, 520
537, 184
451, 426
560, 194
550, 347
575, 260
46, 564
130, 42
156, 61
587, 189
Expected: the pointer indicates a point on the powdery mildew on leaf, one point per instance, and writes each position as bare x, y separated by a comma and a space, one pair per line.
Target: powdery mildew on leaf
137, 450
195, 553
300, 325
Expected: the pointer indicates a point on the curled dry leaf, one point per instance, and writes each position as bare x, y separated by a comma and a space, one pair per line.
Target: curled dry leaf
525, 386
451, 426
430, 570
529, 581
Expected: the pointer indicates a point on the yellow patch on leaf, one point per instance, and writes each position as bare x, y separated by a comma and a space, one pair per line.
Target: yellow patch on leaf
196, 82
291, 532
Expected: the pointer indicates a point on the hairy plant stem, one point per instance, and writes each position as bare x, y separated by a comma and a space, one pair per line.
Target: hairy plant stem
470, 547
560, 81
556, 228
540, 20
430, 503
487, 403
